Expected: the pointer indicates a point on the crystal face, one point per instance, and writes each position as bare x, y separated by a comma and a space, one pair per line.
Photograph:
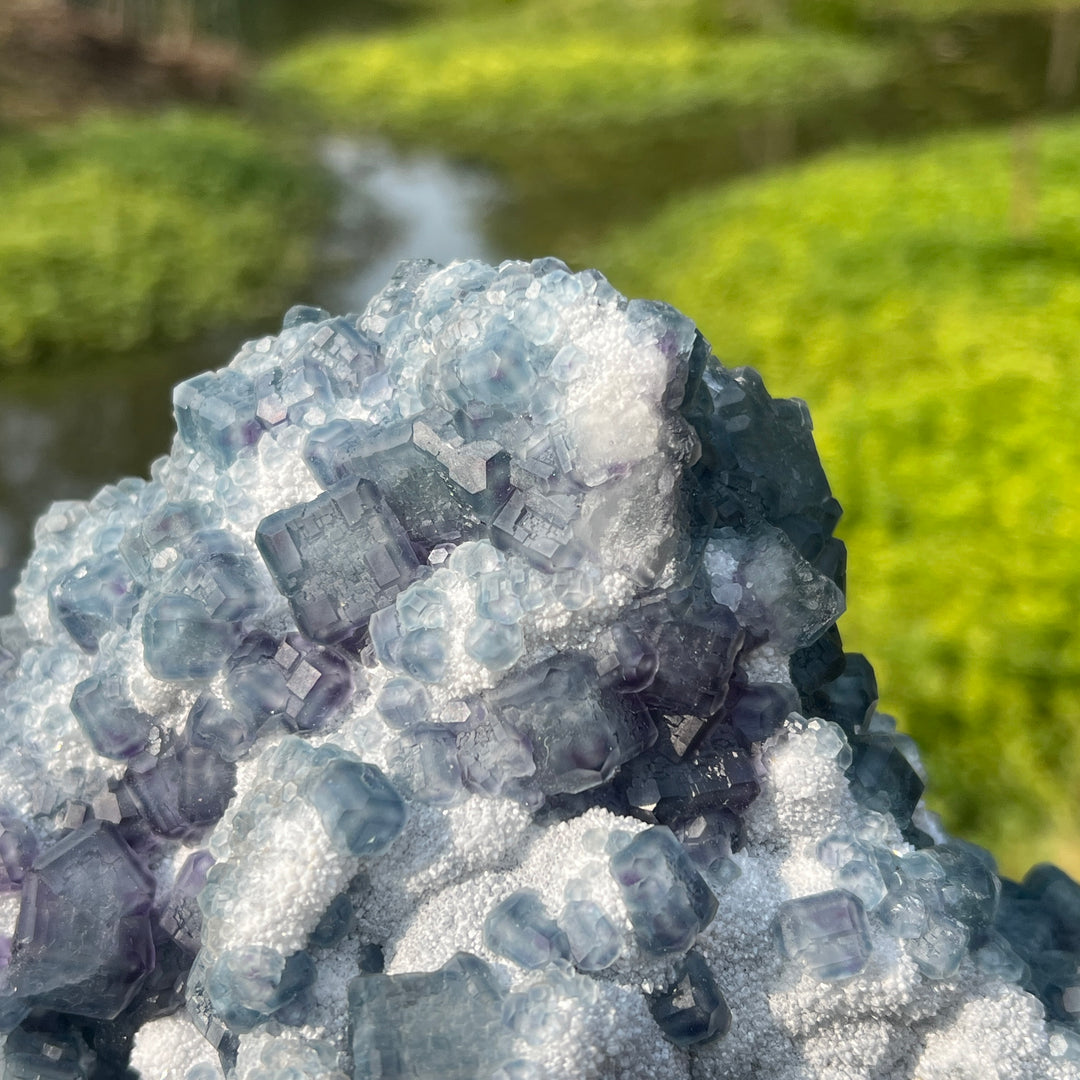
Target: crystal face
827, 932
337, 559
462, 698
668, 900
439, 1025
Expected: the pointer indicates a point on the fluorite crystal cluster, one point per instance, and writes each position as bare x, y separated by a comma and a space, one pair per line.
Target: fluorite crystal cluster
462, 699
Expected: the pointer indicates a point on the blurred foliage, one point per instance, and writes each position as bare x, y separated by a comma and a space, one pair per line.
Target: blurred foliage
470, 85
594, 111
936, 10
926, 302
121, 231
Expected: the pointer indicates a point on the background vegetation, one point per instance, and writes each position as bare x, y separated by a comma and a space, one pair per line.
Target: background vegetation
118, 232
873, 201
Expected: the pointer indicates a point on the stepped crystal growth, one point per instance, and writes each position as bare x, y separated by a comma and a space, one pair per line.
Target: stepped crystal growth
462, 698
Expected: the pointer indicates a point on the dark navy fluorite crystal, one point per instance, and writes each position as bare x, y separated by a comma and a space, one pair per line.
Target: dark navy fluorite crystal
83, 943
692, 1010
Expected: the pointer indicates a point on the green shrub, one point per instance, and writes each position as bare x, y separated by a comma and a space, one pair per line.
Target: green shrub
467, 85
938, 346
121, 231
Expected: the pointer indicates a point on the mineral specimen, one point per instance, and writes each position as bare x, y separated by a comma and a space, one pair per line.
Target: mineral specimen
462, 698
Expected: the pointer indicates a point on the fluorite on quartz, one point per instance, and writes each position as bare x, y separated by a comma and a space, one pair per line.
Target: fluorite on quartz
462, 698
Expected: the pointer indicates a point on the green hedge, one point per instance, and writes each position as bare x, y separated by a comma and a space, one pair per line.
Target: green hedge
926, 303
122, 231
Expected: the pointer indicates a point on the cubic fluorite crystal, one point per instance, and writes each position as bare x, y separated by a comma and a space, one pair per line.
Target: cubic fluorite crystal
462, 698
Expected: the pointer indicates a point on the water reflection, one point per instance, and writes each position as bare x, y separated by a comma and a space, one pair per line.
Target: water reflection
417, 207
65, 434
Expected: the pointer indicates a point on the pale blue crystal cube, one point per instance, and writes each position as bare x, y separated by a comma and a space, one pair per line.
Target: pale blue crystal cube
668, 900
826, 932
215, 413
594, 942
358, 807
437, 1025
520, 929
95, 596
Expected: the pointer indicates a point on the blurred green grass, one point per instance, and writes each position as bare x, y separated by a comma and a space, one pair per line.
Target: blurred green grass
932, 318
124, 230
471, 85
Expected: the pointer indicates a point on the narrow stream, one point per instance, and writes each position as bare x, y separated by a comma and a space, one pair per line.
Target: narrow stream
64, 435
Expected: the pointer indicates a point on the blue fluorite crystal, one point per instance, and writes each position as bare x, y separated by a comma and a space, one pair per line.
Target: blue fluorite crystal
334, 924
438, 1025
580, 734
215, 413
217, 572
115, 728
222, 727
289, 680
882, 778
594, 942
151, 543
710, 838
520, 929
495, 757
97, 595
404, 703
427, 761
337, 559
410, 635
692, 1010
940, 900
83, 943
182, 642
358, 806
940, 947
668, 901
249, 985
181, 790
827, 933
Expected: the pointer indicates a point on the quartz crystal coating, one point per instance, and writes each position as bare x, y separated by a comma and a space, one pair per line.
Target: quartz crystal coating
462, 699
